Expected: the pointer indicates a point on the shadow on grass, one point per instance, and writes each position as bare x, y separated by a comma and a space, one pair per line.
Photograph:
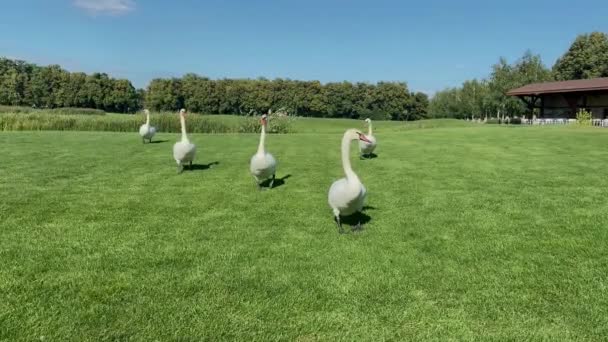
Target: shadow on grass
277, 182
200, 167
356, 221
369, 156
158, 141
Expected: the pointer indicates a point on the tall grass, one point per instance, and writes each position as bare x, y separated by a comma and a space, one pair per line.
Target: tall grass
130, 123
54, 111
42, 120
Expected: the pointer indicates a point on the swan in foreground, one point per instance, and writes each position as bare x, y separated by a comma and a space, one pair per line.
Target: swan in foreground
368, 147
184, 150
146, 131
347, 195
263, 164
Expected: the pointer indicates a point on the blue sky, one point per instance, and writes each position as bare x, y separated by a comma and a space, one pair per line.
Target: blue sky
429, 44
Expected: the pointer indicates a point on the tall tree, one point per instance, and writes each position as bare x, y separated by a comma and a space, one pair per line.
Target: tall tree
526, 70
586, 58
165, 94
418, 108
488, 97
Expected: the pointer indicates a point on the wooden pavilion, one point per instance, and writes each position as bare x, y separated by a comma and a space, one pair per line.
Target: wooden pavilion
563, 99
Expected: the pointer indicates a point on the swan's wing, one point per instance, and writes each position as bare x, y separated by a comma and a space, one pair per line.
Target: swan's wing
362, 196
271, 162
337, 193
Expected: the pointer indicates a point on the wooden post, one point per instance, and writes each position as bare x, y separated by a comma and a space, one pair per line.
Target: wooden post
542, 106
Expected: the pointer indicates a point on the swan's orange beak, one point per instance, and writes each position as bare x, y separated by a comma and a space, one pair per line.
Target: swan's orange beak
363, 138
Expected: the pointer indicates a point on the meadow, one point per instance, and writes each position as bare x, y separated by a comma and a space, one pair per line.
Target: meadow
472, 232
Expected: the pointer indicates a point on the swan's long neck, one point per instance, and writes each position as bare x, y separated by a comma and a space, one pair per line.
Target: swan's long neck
348, 170
369, 128
182, 121
148, 119
262, 139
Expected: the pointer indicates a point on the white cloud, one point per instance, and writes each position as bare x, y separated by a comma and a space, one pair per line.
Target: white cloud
112, 7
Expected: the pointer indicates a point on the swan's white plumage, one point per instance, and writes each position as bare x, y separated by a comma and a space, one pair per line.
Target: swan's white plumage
262, 164
347, 195
346, 198
146, 131
183, 151
365, 147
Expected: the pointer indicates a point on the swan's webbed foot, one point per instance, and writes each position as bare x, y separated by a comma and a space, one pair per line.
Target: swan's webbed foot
357, 227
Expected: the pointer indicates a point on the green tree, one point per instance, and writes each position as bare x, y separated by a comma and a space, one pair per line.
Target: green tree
339, 99
418, 107
586, 58
165, 94
526, 70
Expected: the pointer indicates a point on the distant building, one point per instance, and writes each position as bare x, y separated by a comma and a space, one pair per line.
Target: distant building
564, 99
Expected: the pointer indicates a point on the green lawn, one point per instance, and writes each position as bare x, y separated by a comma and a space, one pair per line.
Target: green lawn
478, 232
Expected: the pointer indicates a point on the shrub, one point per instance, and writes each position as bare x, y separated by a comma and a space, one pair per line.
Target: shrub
583, 117
515, 121
493, 121
276, 124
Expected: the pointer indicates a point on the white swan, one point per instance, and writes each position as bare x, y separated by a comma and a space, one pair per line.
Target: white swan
347, 195
146, 131
263, 164
368, 147
184, 150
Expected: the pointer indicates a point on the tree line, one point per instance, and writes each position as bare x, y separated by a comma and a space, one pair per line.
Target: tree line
586, 58
26, 84
383, 100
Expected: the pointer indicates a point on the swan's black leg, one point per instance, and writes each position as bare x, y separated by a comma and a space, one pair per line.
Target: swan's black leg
358, 226
191, 165
339, 224
272, 181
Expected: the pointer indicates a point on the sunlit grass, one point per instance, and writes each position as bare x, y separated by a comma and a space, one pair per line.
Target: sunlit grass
476, 232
